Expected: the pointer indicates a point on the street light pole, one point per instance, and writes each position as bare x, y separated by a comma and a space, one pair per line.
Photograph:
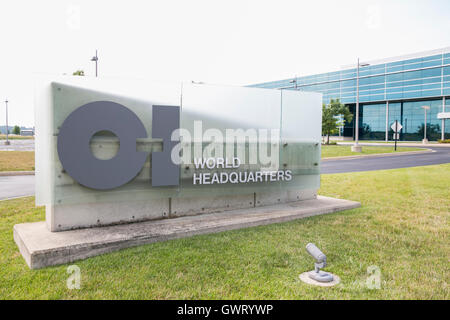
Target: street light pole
357, 105
294, 81
95, 59
425, 140
7, 140
356, 147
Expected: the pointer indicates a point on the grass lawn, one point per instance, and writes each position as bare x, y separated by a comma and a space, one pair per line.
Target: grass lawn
16, 160
340, 150
390, 141
402, 229
15, 137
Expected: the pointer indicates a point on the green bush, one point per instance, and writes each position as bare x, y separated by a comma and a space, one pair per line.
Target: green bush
444, 141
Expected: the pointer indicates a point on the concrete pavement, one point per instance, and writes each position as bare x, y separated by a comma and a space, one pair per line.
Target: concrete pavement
17, 145
16, 186
399, 144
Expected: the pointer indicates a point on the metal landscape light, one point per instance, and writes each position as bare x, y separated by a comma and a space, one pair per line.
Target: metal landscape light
321, 262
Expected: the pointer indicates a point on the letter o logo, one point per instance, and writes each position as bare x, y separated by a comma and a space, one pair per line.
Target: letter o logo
75, 154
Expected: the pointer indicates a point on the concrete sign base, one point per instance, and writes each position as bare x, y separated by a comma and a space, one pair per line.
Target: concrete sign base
41, 247
96, 214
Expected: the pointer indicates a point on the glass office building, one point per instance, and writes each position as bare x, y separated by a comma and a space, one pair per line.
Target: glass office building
389, 89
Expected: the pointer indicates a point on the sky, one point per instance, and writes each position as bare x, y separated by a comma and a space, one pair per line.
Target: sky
221, 42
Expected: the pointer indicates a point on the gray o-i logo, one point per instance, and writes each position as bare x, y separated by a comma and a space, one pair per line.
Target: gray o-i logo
79, 162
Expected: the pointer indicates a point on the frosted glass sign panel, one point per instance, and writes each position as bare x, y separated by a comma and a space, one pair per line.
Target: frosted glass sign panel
229, 107
231, 122
300, 138
298, 118
105, 144
58, 98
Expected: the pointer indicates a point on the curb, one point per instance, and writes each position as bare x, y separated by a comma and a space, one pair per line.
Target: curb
18, 197
16, 173
393, 154
403, 144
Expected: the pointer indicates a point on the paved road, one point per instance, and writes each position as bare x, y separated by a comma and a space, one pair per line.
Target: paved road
18, 145
439, 156
17, 186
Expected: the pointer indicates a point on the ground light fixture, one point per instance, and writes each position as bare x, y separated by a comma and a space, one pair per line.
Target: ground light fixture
321, 262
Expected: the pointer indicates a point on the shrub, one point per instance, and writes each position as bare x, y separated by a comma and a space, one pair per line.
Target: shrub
331, 143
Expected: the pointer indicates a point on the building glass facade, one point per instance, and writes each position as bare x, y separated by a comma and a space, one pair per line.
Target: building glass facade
389, 89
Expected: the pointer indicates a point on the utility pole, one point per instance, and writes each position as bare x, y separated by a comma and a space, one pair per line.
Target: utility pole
396, 134
7, 140
294, 81
425, 140
95, 59
356, 147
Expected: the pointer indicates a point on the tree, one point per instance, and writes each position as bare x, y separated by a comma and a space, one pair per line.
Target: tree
16, 130
365, 129
334, 115
78, 73
433, 130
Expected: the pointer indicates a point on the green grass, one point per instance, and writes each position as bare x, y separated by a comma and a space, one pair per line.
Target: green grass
341, 150
388, 142
15, 137
16, 160
402, 228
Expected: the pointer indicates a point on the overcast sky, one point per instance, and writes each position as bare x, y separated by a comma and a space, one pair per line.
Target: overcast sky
223, 42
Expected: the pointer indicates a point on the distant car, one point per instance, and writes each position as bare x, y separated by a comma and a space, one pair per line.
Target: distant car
27, 132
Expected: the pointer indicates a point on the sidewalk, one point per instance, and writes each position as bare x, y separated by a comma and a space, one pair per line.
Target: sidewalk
401, 144
17, 145
378, 155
